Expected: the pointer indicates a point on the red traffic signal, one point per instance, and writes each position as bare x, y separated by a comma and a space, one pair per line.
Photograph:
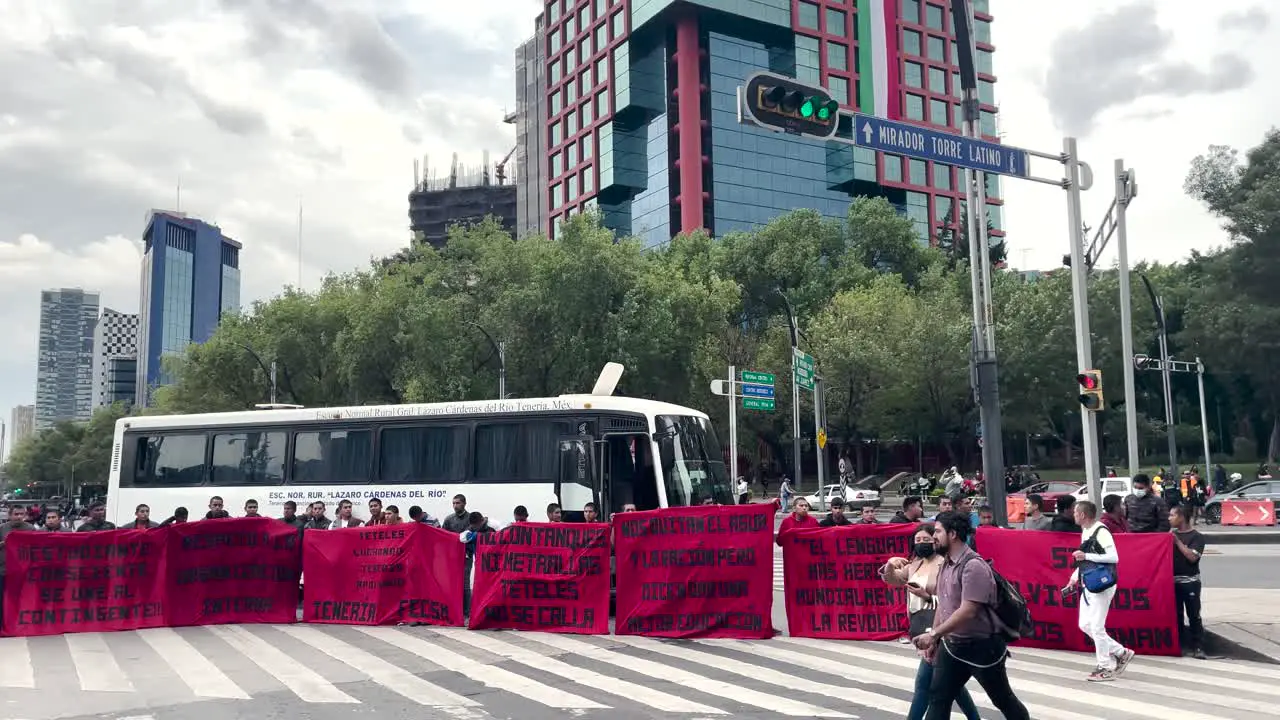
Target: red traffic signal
1090, 382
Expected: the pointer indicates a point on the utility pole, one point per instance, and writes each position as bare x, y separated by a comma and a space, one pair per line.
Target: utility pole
1204, 418
986, 377
1076, 182
795, 390
502, 369
1166, 370
273, 382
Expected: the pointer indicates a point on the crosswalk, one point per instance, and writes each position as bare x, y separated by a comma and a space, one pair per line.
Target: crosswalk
314, 671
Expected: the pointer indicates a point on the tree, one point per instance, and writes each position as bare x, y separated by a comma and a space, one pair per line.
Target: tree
67, 455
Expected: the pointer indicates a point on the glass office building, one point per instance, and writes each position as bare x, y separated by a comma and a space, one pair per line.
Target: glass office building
642, 119
64, 375
190, 277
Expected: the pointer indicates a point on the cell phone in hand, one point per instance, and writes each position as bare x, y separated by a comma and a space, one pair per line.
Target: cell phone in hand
1069, 590
915, 585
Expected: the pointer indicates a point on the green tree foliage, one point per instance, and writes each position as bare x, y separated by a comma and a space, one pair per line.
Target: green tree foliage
64, 457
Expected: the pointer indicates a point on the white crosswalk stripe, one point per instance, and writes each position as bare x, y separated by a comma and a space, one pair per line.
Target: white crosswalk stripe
465, 675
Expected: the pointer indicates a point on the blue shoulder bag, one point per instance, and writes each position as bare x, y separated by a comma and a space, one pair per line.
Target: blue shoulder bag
1096, 577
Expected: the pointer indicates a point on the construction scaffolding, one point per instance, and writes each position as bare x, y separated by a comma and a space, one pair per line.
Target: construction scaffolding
467, 194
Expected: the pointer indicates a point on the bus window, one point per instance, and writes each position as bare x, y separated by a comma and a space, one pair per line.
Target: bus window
249, 458
523, 451
167, 461
332, 457
423, 454
693, 467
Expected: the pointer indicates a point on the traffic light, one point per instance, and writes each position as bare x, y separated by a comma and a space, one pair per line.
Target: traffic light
782, 103
1090, 382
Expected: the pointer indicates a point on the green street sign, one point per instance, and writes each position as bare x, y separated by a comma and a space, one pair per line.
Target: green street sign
755, 403
804, 360
757, 378
803, 369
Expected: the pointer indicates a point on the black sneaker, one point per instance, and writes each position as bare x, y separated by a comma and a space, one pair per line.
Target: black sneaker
1199, 654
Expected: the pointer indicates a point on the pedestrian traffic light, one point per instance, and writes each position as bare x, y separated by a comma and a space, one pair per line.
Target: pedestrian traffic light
782, 103
1090, 382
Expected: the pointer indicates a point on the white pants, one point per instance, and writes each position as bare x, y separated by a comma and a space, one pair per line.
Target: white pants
1093, 622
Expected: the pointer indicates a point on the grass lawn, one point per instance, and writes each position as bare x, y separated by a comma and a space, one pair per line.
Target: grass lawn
1077, 474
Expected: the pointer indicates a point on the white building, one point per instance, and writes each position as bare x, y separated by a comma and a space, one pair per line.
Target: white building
115, 358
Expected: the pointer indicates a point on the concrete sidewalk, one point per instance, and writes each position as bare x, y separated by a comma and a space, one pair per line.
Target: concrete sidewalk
1243, 624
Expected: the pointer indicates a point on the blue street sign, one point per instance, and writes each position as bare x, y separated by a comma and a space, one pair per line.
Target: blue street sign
918, 142
760, 391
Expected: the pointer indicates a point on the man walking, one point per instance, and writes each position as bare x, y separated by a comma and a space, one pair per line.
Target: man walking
1097, 547
964, 641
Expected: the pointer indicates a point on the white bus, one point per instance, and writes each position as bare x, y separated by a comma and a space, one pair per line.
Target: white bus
570, 450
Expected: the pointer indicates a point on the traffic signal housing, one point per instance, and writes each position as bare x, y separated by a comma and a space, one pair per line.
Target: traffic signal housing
1090, 382
781, 103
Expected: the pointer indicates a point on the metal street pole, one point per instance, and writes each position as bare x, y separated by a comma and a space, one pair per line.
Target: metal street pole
1126, 191
502, 370
733, 427
1080, 299
1166, 370
986, 372
817, 428
273, 382
1204, 418
795, 390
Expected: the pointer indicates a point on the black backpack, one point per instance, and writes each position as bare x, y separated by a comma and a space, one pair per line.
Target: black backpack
1013, 617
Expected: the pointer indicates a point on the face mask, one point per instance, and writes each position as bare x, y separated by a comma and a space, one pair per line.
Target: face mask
1141, 493
925, 550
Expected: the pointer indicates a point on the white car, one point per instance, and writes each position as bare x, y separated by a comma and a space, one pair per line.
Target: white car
1121, 486
854, 498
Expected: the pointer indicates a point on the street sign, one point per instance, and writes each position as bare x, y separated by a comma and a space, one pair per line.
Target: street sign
758, 378
757, 403
763, 391
822, 438
915, 141
803, 370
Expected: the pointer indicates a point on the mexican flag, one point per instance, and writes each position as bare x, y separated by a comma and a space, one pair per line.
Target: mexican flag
880, 92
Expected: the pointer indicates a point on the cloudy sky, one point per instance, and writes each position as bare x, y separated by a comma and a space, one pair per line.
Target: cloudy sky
256, 106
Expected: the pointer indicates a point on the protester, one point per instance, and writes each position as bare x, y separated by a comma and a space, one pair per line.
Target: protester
459, 520
251, 508
590, 513
1035, 519
141, 519
290, 515
964, 642
1113, 514
178, 517
391, 516
345, 518
868, 516
17, 522
799, 519
836, 517
1064, 520
316, 519
521, 514
986, 518
418, 515
911, 512
1097, 552
744, 491
1188, 547
476, 523
375, 512
97, 521
216, 511
1145, 511
53, 522
945, 505
919, 575
553, 513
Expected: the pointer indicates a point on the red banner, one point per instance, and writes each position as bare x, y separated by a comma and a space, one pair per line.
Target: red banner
83, 582
383, 575
242, 570
550, 577
833, 583
1143, 615
704, 571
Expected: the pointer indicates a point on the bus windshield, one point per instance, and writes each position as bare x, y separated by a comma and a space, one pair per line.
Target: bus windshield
692, 461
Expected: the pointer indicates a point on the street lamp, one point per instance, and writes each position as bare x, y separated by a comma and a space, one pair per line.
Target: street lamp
795, 387
270, 371
1165, 372
500, 350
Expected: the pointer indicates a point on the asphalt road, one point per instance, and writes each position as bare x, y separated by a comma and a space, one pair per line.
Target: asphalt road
337, 673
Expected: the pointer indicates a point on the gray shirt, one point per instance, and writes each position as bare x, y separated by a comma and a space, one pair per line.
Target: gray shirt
968, 577
1037, 523
5, 529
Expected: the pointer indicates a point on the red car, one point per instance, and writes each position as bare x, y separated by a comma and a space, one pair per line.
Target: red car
1050, 491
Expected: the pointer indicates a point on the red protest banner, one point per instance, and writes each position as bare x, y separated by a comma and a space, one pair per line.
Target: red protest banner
382, 575
83, 582
833, 584
704, 571
241, 570
551, 577
1143, 615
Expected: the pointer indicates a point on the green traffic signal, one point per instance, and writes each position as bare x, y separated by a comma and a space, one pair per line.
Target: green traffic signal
806, 108
824, 113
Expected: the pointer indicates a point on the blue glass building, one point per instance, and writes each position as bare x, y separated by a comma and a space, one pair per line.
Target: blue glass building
190, 277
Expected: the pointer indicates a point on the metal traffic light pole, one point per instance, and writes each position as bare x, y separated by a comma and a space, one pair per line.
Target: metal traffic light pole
1166, 368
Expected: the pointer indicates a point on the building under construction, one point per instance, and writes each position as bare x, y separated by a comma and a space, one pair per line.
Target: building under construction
467, 195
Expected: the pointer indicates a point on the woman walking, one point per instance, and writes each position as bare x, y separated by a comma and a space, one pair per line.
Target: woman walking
919, 575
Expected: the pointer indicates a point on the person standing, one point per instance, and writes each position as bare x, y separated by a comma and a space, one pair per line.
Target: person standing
1188, 547
1145, 511
1097, 548
459, 521
1065, 519
964, 641
837, 518
799, 519
345, 518
1113, 515
97, 521
1035, 519
17, 522
141, 519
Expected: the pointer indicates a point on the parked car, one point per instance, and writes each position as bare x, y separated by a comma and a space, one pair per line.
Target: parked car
1121, 486
854, 498
1050, 491
1261, 490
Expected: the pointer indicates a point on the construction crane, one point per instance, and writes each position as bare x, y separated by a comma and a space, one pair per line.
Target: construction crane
500, 170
